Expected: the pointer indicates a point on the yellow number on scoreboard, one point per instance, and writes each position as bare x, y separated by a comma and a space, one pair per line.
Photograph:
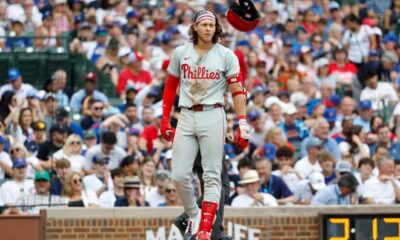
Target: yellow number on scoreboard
346, 227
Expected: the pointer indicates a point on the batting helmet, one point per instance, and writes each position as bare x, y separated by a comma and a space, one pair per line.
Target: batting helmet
243, 17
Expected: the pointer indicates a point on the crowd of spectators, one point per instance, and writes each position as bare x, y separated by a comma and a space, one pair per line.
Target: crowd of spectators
323, 83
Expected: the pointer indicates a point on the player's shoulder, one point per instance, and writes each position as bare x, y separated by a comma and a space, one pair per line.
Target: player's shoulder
182, 48
221, 48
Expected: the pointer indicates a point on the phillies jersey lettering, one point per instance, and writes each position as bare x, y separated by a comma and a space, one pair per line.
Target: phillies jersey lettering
203, 80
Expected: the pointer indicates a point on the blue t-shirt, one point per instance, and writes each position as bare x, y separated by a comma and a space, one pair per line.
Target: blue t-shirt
276, 187
56, 186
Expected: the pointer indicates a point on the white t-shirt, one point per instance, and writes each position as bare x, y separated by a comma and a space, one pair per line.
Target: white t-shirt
32, 162
11, 191
344, 148
245, 200
380, 192
93, 183
21, 93
4, 158
383, 92
107, 199
116, 155
154, 198
77, 161
358, 43
304, 167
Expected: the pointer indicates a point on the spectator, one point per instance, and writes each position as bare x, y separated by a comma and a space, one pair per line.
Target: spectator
337, 194
327, 163
133, 195
365, 115
100, 180
57, 139
75, 192
62, 168
147, 175
155, 198
272, 184
133, 74
130, 165
16, 84
106, 148
96, 116
39, 136
372, 136
251, 196
306, 189
309, 163
354, 147
346, 110
110, 197
41, 197
384, 137
12, 190
88, 90
171, 197
18, 151
9, 106
341, 71
5, 161
62, 119
285, 158
321, 130
365, 167
89, 140
384, 189
72, 152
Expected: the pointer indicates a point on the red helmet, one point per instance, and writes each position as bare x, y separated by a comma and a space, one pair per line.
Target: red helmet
243, 17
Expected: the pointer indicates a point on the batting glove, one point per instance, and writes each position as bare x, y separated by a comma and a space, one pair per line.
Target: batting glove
167, 132
243, 135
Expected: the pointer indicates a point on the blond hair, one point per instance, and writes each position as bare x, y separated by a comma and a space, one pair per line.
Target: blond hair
67, 188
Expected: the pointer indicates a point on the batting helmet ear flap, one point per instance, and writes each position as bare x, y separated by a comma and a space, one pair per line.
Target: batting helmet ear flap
243, 17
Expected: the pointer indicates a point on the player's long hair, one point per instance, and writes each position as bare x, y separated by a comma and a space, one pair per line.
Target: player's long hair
219, 34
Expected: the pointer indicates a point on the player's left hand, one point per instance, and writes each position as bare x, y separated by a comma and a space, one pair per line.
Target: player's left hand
243, 135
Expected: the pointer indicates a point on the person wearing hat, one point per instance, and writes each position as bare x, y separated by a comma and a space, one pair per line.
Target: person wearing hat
337, 194
5, 160
258, 97
100, 180
88, 90
365, 114
17, 30
309, 163
290, 73
12, 190
133, 22
133, 196
306, 189
251, 196
133, 73
330, 116
63, 119
51, 105
41, 198
16, 84
96, 49
39, 136
385, 189
58, 135
89, 139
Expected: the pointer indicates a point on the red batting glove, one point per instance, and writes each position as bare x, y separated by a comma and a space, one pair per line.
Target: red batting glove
167, 132
243, 134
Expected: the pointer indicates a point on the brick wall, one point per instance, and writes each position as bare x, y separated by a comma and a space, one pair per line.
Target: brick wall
284, 223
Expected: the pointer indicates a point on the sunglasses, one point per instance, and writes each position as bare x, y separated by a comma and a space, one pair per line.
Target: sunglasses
15, 150
77, 180
170, 190
98, 108
75, 143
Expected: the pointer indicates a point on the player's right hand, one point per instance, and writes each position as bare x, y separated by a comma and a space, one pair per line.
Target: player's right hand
167, 132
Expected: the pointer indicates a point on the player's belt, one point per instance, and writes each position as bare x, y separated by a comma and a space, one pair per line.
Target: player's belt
199, 108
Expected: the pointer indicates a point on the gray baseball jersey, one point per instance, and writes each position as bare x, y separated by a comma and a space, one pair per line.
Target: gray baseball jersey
203, 80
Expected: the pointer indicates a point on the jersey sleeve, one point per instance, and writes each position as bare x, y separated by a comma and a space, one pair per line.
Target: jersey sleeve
175, 63
231, 64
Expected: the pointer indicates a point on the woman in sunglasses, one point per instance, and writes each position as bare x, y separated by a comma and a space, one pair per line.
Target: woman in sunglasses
72, 152
75, 191
18, 151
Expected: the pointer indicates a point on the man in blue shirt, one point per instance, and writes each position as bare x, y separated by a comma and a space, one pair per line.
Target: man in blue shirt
366, 112
88, 90
385, 138
337, 194
272, 184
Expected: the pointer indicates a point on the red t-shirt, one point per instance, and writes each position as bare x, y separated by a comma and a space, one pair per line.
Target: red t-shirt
139, 80
349, 67
150, 133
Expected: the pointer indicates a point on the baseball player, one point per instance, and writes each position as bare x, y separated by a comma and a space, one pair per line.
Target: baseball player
205, 70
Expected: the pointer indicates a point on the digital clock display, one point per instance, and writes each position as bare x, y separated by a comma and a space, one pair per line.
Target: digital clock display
360, 226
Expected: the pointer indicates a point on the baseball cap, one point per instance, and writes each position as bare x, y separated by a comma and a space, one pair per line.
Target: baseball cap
131, 14
49, 95
19, 162
390, 37
250, 176
254, 115
91, 76
343, 166
39, 125
61, 113
134, 56
132, 182
134, 131
312, 104
260, 89
31, 94
365, 105
300, 29
130, 87
84, 25
317, 180
334, 6
13, 74
100, 159
268, 39
330, 115
290, 109
230, 150
333, 101
313, 142
89, 134
101, 31
42, 175
321, 63
243, 42
268, 151
122, 52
